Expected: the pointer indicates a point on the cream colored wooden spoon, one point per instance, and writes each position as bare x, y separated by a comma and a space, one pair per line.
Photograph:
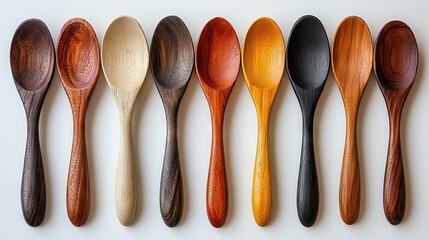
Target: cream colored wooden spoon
263, 66
125, 59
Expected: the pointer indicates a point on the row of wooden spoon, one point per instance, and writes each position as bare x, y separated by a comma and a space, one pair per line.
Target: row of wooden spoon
125, 58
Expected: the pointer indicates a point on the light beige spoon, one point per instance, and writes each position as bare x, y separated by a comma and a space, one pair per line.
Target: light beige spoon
125, 59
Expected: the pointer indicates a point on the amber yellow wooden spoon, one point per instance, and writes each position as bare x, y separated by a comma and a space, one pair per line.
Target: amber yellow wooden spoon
263, 65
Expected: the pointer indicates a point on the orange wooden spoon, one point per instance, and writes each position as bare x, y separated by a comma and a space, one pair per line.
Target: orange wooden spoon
217, 66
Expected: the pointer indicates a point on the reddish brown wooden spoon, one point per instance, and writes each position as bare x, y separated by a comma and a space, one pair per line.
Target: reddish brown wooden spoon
217, 66
32, 60
395, 65
78, 63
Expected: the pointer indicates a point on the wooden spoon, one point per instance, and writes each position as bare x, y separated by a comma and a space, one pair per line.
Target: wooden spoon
217, 66
263, 66
125, 59
351, 65
172, 62
308, 62
78, 63
32, 60
395, 66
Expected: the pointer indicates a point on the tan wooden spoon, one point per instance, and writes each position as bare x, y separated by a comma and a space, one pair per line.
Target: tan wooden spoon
125, 59
351, 64
78, 63
263, 66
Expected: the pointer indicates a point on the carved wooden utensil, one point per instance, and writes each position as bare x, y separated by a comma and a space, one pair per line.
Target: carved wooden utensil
263, 66
308, 62
171, 62
32, 60
351, 65
78, 63
217, 66
395, 66
125, 60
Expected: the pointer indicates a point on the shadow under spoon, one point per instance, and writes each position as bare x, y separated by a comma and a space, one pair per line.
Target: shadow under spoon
171, 62
32, 60
308, 62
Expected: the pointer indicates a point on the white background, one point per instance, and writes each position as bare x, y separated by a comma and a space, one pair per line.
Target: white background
240, 132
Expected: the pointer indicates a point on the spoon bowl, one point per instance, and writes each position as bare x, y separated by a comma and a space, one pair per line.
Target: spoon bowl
395, 66
263, 66
171, 61
308, 62
32, 61
125, 59
217, 67
351, 65
78, 63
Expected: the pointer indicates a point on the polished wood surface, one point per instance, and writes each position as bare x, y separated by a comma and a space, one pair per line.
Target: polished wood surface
351, 65
308, 63
32, 61
217, 67
125, 59
171, 62
78, 63
263, 66
395, 66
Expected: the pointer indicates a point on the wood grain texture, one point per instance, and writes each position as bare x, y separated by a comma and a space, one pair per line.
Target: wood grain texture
171, 62
263, 66
78, 63
217, 67
32, 60
351, 65
395, 67
125, 60
308, 62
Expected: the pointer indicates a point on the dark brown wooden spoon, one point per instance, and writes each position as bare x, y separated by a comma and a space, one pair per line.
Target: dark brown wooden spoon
171, 62
32, 60
308, 62
395, 65
217, 65
78, 63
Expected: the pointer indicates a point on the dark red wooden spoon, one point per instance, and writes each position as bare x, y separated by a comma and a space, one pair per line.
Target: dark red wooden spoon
395, 65
32, 60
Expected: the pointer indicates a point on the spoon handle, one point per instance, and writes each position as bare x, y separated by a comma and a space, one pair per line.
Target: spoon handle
261, 185
217, 186
350, 175
171, 189
307, 198
394, 179
78, 180
33, 192
125, 184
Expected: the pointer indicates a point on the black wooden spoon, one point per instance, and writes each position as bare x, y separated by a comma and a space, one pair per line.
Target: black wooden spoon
171, 62
32, 60
308, 58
